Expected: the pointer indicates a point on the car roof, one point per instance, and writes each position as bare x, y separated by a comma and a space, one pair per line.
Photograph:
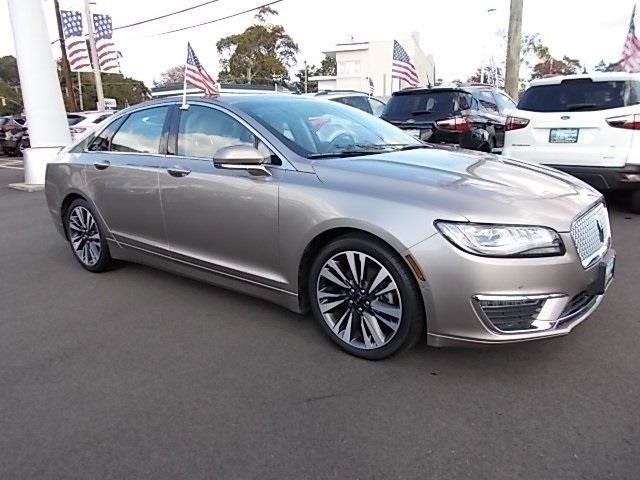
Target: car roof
442, 88
596, 77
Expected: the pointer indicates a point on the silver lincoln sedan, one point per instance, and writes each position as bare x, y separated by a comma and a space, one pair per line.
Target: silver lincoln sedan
318, 206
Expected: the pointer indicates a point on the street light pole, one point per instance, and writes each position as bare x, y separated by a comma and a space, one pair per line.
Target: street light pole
94, 57
514, 41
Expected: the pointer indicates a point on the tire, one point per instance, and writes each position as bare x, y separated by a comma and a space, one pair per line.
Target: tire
634, 202
385, 316
86, 237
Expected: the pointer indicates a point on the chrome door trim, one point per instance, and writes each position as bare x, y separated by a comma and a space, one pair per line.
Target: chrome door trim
173, 259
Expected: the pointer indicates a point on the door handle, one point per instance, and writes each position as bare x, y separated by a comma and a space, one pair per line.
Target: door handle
178, 172
102, 164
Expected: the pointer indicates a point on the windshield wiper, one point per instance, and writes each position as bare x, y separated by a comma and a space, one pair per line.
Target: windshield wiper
421, 112
369, 149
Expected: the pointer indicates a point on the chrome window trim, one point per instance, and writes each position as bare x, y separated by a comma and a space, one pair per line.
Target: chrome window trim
285, 163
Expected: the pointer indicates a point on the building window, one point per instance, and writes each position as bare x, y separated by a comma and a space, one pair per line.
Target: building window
349, 67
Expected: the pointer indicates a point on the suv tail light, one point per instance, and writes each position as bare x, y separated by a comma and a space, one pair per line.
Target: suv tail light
515, 123
456, 124
630, 122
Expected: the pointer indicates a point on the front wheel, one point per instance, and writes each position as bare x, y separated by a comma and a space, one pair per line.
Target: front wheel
87, 241
365, 297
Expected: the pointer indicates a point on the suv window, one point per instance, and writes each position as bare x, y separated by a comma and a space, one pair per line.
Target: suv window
578, 95
487, 101
141, 131
358, 102
204, 130
504, 102
427, 105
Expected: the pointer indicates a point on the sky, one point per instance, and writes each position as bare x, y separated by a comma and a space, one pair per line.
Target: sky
459, 34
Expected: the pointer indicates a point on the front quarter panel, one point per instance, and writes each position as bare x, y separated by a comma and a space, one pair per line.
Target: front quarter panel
309, 208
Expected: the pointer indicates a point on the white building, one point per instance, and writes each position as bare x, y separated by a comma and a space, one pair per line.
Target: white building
358, 61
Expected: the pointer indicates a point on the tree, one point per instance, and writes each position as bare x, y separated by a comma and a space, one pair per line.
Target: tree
601, 66
9, 70
552, 66
493, 75
126, 90
172, 76
10, 100
258, 53
327, 67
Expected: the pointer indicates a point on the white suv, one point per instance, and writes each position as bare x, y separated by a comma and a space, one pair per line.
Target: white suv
585, 125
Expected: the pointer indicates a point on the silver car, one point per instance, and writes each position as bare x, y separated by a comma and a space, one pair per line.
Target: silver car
381, 237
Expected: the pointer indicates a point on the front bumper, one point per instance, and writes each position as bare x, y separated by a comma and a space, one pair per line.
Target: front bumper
463, 292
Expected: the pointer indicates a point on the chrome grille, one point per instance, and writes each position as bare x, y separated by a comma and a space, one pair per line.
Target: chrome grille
511, 315
591, 234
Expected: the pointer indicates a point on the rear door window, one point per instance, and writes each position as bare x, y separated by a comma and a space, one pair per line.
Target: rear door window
487, 101
141, 132
578, 95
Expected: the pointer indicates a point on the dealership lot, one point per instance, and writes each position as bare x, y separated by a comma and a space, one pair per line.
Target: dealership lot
142, 374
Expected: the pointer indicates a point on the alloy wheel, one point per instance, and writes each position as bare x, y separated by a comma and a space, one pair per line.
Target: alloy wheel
84, 236
359, 300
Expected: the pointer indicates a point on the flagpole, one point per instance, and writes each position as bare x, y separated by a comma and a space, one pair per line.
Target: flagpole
184, 105
81, 102
94, 57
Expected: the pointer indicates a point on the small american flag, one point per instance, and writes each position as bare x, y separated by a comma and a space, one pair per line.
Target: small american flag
371, 86
402, 67
196, 75
108, 56
77, 52
631, 52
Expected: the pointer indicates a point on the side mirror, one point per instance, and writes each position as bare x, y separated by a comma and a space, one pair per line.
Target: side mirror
241, 157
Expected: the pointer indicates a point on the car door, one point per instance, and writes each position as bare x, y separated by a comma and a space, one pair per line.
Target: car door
219, 219
122, 175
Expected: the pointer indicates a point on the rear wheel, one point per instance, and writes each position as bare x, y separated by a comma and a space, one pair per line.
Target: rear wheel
86, 238
365, 297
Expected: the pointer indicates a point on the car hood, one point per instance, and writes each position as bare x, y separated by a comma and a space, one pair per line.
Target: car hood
476, 186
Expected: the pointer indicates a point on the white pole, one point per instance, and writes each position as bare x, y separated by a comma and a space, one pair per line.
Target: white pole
184, 89
41, 94
94, 56
81, 100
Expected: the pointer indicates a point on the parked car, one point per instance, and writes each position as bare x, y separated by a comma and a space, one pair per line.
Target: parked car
380, 235
12, 130
353, 98
82, 123
586, 125
471, 117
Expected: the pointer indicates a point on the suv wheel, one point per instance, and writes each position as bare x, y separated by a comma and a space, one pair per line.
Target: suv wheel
365, 297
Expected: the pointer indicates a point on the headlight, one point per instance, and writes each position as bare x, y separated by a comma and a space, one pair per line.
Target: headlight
502, 240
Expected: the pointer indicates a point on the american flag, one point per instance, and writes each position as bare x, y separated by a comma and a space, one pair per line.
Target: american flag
631, 52
371, 86
196, 75
108, 56
402, 67
77, 52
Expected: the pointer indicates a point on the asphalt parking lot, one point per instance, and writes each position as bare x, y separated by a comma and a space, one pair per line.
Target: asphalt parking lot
141, 374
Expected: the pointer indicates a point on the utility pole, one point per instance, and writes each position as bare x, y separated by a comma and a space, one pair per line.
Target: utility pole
94, 57
66, 70
514, 42
306, 77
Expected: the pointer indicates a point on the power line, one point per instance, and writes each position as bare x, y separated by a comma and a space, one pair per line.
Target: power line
165, 15
219, 19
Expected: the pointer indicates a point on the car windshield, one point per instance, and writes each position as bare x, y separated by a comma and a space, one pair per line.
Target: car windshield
317, 128
579, 95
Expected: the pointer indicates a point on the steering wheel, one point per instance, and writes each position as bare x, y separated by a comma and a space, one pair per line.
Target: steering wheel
342, 140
